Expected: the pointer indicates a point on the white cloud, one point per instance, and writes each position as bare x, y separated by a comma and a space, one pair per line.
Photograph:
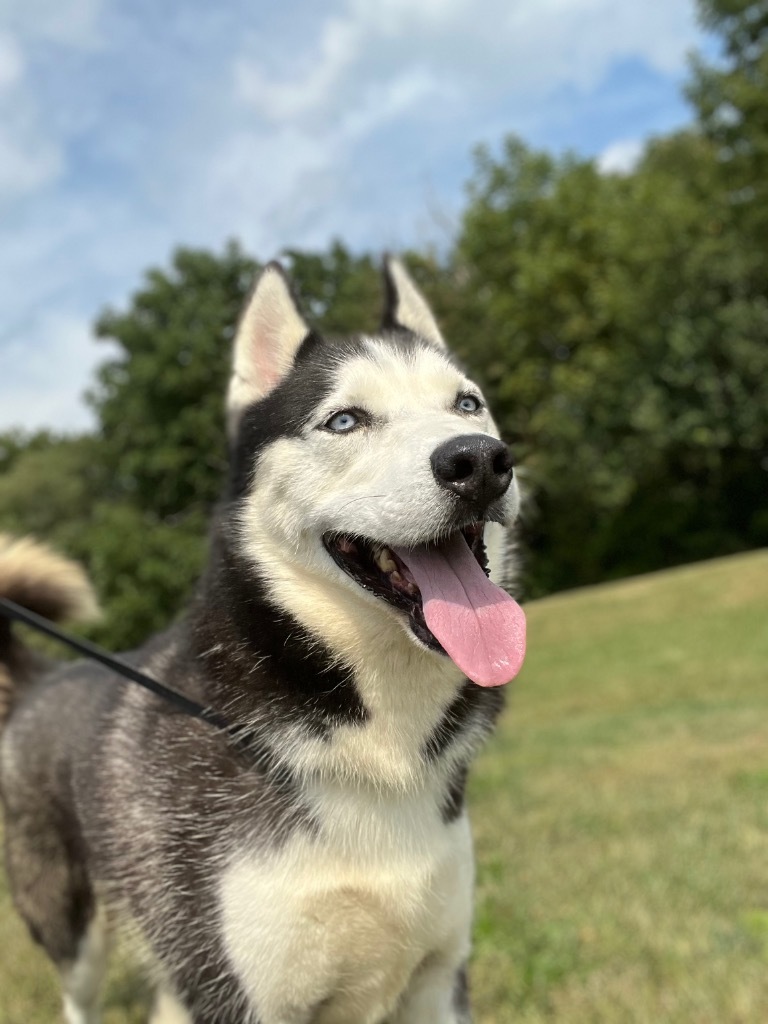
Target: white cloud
71, 23
284, 184
26, 162
277, 101
481, 50
126, 129
11, 61
30, 156
388, 17
314, 107
43, 373
621, 157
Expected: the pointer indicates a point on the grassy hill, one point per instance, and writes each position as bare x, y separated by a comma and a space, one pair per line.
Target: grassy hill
621, 817
621, 813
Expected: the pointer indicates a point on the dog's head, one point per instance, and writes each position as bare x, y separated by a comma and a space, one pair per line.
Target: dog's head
368, 468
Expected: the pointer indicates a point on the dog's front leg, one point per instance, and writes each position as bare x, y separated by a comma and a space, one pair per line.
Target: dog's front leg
438, 994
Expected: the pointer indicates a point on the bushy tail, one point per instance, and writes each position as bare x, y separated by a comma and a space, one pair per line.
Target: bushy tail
34, 576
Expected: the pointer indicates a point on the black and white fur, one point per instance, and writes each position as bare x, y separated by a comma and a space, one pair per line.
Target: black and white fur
324, 874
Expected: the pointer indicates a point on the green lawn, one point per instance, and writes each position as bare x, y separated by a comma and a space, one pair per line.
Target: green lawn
621, 817
621, 813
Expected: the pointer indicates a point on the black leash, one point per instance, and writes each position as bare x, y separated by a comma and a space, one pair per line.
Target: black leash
15, 611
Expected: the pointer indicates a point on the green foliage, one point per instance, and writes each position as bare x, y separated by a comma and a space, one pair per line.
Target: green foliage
14, 443
731, 100
624, 342
49, 486
160, 401
338, 292
142, 566
143, 569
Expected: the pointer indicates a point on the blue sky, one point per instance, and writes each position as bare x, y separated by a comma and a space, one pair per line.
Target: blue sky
128, 127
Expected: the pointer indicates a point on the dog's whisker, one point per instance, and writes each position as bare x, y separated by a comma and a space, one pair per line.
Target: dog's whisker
361, 497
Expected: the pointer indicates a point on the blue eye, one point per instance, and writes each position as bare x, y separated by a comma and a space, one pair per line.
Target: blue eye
342, 422
468, 403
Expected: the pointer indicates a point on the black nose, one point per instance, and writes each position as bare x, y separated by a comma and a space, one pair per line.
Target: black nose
477, 467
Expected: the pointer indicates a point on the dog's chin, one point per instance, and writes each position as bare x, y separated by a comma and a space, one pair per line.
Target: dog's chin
375, 567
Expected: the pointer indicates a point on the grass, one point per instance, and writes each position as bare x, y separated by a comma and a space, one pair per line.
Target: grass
620, 816
621, 812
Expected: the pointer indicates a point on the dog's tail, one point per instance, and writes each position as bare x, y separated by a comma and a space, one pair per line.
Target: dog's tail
35, 577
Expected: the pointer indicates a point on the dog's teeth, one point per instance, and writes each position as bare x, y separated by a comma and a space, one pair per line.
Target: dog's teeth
398, 580
385, 561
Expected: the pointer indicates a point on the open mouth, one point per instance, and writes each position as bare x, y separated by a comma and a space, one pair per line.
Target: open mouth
378, 569
443, 587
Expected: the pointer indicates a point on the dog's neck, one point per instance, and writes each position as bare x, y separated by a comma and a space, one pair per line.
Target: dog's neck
362, 702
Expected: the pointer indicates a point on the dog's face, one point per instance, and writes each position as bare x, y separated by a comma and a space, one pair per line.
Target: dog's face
371, 466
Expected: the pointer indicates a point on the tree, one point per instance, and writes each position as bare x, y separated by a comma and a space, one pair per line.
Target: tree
160, 402
50, 487
623, 308
731, 101
338, 292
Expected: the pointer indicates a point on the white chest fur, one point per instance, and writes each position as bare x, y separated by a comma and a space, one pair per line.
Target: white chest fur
336, 925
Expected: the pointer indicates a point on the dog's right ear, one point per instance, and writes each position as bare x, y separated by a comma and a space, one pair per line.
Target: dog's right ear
268, 336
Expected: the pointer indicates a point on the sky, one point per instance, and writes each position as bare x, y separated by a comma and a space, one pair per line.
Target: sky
128, 127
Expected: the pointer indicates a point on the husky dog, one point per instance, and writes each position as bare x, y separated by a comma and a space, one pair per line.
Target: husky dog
320, 871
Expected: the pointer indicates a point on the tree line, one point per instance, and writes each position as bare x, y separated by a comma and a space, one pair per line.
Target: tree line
618, 322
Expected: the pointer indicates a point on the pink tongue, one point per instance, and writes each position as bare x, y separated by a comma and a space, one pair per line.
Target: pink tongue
479, 625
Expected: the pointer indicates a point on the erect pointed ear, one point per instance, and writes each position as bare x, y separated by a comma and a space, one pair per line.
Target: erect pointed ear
269, 334
405, 306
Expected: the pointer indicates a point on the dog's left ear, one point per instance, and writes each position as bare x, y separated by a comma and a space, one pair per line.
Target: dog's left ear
269, 334
405, 306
